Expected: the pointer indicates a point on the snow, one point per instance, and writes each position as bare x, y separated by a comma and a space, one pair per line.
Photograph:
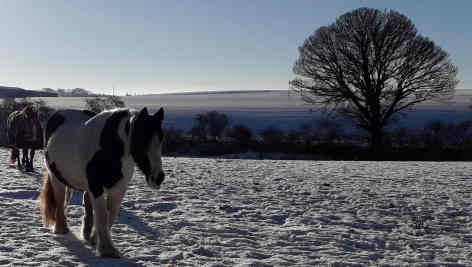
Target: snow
234, 212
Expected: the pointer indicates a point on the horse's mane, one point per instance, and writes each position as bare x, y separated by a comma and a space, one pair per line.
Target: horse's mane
29, 112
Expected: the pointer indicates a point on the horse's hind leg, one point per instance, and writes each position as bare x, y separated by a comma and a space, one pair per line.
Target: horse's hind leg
59, 195
30, 160
87, 220
14, 155
104, 245
25, 158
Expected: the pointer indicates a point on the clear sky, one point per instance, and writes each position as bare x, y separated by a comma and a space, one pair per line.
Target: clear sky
190, 45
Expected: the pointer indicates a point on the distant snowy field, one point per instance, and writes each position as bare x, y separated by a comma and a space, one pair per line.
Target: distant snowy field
228, 212
260, 109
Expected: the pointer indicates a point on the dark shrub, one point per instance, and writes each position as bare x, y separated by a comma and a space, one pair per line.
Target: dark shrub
99, 104
240, 133
272, 135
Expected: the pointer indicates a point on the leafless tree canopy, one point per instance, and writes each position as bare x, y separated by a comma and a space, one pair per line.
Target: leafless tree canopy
369, 65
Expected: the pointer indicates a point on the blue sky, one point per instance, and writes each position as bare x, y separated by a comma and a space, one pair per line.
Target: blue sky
189, 45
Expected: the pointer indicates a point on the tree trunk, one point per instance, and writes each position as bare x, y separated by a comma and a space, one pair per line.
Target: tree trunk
377, 143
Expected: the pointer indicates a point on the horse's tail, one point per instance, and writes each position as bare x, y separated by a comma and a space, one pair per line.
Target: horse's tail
47, 202
13, 155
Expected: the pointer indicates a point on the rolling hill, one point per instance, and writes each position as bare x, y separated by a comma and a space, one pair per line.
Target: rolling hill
15, 92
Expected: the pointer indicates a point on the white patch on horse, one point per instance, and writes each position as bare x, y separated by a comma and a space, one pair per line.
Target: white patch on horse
70, 156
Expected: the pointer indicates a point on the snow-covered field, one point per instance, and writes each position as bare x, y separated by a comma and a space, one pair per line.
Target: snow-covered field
229, 212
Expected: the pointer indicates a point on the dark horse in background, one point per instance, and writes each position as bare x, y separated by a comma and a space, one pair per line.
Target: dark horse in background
24, 132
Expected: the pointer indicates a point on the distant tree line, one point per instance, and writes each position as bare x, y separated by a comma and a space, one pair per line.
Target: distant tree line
74, 92
324, 138
98, 104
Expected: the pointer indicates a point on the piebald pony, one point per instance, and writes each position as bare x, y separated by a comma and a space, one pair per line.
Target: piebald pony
97, 154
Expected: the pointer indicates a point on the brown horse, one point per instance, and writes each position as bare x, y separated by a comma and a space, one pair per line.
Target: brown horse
24, 132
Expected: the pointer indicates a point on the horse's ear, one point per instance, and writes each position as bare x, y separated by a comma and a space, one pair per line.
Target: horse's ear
143, 112
159, 116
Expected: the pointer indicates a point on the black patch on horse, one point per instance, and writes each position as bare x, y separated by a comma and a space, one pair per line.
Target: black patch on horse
53, 123
127, 127
160, 133
144, 128
55, 171
104, 170
89, 113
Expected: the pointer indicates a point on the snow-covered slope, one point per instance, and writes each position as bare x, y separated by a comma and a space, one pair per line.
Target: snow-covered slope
222, 212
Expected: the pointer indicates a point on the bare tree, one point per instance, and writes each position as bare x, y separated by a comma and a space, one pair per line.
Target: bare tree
370, 65
211, 123
217, 123
200, 130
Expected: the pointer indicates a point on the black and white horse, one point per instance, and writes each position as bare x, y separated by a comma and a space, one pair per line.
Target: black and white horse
97, 154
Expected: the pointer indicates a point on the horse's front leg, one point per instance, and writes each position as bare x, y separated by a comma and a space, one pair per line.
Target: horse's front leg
24, 156
104, 244
26, 160
20, 159
114, 200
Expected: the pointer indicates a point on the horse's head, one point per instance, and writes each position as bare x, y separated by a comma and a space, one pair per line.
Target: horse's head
146, 145
30, 112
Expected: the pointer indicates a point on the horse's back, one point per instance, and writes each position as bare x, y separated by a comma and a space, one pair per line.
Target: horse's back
65, 128
65, 142
65, 118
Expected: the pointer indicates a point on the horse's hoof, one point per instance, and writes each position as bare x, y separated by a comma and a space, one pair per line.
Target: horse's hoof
108, 252
61, 230
86, 236
87, 227
92, 240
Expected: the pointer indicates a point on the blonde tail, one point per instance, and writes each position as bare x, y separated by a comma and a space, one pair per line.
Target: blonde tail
47, 202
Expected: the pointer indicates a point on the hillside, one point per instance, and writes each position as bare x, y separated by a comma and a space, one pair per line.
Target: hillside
16, 92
